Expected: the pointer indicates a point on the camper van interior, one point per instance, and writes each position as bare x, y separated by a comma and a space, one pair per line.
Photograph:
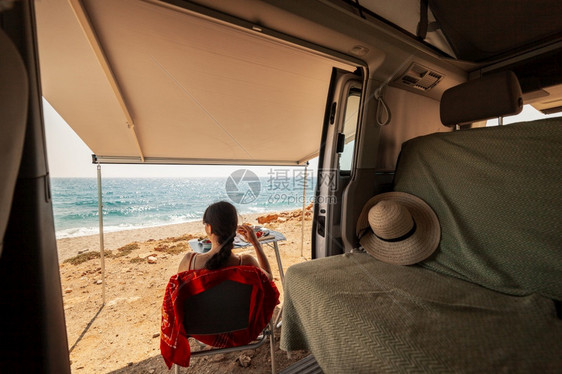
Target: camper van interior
390, 95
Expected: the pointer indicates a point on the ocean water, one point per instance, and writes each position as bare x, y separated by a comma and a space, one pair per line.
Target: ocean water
131, 203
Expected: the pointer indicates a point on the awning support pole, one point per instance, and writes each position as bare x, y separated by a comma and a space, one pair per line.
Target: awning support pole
102, 250
303, 207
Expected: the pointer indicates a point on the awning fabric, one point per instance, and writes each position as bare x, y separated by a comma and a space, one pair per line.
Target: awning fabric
144, 81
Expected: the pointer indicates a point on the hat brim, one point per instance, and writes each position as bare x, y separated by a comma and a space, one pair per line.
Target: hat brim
417, 247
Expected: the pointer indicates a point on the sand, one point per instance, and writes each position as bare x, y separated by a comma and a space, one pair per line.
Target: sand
69, 247
123, 335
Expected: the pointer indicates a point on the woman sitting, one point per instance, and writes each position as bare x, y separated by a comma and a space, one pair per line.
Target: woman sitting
221, 226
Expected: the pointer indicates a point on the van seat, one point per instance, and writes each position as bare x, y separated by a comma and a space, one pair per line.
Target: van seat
484, 302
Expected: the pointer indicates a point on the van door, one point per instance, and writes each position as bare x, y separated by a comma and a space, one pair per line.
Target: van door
335, 162
32, 321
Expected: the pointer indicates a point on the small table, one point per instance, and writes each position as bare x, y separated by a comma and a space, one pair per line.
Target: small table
272, 242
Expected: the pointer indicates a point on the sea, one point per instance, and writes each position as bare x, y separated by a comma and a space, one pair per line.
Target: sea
134, 203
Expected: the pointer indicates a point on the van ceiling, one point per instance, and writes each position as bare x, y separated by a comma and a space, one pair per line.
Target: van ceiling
491, 35
144, 81
481, 30
476, 31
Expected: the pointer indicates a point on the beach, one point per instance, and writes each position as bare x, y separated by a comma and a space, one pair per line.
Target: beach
69, 247
122, 335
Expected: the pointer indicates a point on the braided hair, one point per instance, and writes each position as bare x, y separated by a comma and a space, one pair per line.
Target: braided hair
223, 218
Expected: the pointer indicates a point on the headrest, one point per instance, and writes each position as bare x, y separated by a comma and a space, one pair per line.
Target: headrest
491, 96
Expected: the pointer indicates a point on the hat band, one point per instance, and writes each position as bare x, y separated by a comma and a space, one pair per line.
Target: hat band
403, 237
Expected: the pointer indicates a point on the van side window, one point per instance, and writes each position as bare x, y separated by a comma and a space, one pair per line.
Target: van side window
349, 130
529, 113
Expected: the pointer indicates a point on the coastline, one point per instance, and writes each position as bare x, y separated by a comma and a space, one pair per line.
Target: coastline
70, 247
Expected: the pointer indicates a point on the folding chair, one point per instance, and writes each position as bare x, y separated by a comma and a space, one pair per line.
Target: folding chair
225, 309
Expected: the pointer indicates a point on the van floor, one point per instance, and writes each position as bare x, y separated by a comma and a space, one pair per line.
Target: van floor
307, 365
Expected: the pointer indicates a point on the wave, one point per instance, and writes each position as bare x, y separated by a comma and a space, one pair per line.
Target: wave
171, 220
86, 231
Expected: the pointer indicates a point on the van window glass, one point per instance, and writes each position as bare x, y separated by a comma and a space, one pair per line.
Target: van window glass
527, 114
349, 129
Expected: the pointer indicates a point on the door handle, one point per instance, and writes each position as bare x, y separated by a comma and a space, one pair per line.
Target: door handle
321, 226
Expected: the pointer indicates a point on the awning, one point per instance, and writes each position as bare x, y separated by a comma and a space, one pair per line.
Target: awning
145, 81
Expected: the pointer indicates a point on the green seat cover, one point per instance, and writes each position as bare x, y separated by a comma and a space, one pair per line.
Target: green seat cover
498, 195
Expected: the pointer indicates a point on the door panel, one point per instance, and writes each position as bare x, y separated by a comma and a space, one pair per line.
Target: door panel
32, 321
335, 162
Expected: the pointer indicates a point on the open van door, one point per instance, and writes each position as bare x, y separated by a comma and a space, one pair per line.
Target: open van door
32, 321
335, 161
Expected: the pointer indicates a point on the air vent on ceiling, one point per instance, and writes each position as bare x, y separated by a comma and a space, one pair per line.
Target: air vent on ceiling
420, 77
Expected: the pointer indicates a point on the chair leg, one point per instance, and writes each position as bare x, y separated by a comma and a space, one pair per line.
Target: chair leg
272, 348
278, 319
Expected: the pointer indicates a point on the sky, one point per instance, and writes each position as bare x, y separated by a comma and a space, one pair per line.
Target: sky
69, 156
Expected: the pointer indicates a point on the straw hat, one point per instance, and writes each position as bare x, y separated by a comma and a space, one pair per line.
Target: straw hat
398, 228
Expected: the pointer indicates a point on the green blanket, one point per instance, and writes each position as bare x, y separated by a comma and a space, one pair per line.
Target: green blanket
359, 315
498, 195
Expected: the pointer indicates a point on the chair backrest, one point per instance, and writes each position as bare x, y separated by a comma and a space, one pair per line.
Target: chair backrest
228, 307
221, 309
